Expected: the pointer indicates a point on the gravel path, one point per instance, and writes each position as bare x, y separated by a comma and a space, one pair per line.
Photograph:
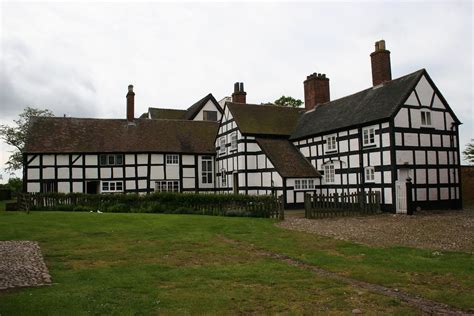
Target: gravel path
22, 265
450, 230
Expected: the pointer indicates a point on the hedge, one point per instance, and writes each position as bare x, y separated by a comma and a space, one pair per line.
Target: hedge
175, 203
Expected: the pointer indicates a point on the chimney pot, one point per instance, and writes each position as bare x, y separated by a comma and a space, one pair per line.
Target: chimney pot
316, 90
239, 95
380, 60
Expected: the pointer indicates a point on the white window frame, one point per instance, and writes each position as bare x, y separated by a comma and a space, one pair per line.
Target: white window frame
329, 173
233, 141
167, 186
367, 132
425, 118
207, 170
111, 186
331, 143
111, 159
369, 174
172, 159
304, 184
222, 143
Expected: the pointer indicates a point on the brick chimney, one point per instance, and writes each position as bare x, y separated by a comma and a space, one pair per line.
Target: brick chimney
380, 59
130, 104
239, 95
316, 90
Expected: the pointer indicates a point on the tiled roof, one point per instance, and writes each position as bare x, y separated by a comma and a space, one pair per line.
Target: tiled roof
165, 114
81, 135
254, 119
366, 106
288, 161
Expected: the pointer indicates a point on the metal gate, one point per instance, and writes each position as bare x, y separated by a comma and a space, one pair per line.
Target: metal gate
401, 193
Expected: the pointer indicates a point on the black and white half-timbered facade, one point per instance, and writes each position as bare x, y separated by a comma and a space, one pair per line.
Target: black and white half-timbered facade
374, 140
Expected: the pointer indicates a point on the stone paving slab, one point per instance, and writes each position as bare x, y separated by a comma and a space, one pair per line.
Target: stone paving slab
22, 265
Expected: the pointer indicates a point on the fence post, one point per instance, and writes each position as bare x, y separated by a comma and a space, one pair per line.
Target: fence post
409, 197
307, 205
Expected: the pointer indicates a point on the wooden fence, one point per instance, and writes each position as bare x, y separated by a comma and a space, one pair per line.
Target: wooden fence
238, 205
332, 205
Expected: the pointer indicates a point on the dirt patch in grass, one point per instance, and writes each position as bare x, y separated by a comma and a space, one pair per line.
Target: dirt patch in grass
447, 230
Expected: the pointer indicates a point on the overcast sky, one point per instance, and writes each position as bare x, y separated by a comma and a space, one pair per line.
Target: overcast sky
77, 59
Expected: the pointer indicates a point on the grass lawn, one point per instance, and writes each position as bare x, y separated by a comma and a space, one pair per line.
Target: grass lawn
183, 264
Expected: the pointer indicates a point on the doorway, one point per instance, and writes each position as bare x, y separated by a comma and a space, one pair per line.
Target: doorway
235, 182
92, 187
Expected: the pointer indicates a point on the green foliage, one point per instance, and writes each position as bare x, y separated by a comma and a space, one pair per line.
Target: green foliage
288, 101
14, 184
469, 152
174, 203
16, 136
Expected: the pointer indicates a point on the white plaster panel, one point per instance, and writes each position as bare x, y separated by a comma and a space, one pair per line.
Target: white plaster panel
385, 139
129, 159
158, 158
444, 194
343, 146
91, 173
375, 159
433, 194
261, 161
33, 174
189, 183
62, 160
387, 195
48, 173
420, 157
354, 143
412, 100
106, 173
453, 192
48, 160
130, 172
142, 171
63, 173
387, 176
437, 104
432, 177
442, 158
289, 196
188, 160
242, 182
142, 159
254, 180
437, 120
253, 147
401, 119
130, 185
77, 160
425, 140
443, 176
172, 172
386, 157
411, 139
353, 131
269, 164
404, 157
118, 173
91, 160
436, 140
188, 172
420, 176
63, 187
424, 91
415, 118
278, 182
142, 184
77, 173
33, 187
352, 178
251, 162
305, 151
431, 157
267, 179
77, 187
34, 162
398, 139
421, 194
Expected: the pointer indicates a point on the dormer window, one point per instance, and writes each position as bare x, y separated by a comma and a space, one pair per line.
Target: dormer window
425, 118
331, 144
210, 116
368, 135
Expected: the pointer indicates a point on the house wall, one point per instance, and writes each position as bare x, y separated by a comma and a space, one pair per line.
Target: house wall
209, 106
138, 173
350, 158
256, 174
430, 153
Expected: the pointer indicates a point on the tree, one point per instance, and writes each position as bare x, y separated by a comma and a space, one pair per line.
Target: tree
469, 152
16, 136
288, 101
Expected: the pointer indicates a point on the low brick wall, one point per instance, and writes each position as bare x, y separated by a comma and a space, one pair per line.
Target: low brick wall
467, 184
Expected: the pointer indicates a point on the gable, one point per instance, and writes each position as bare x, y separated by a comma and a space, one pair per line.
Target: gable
208, 106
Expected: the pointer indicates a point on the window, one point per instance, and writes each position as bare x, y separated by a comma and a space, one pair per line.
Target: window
223, 178
331, 144
368, 135
304, 184
111, 160
233, 141
369, 174
210, 115
112, 186
167, 186
222, 146
329, 173
425, 118
50, 186
172, 159
206, 170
